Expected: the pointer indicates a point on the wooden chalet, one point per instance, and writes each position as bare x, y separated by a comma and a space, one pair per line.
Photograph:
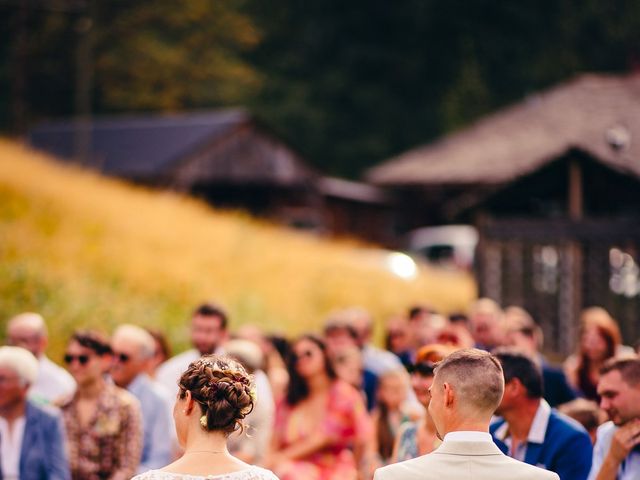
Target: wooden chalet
553, 185
226, 157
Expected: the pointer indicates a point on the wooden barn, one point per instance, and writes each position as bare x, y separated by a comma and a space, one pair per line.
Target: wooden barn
226, 157
553, 185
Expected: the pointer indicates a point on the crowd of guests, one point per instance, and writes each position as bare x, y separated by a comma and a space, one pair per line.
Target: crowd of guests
327, 405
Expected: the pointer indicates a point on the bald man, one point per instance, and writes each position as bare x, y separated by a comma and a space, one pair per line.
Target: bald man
467, 387
29, 331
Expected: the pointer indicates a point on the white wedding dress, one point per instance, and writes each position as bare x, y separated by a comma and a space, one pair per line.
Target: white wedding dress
251, 473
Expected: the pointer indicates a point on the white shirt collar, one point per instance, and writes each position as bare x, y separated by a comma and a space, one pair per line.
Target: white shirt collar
538, 428
467, 436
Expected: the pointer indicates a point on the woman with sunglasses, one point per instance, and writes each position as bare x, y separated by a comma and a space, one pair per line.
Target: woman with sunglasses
103, 422
322, 427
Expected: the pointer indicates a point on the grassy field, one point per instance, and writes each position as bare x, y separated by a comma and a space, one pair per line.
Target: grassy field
89, 251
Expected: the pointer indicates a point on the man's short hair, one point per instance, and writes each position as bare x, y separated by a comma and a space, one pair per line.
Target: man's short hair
517, 364
20, 361
476, 376
628, 366
30, 319
143, 339
210, 309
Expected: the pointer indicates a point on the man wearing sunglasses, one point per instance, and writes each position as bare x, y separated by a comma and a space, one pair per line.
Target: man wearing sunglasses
133, 347
31, 437
29, 331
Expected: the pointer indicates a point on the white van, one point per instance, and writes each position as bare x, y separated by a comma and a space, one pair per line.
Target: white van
447, 245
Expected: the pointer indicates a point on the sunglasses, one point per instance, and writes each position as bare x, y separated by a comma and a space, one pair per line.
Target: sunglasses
82, 359
121, 357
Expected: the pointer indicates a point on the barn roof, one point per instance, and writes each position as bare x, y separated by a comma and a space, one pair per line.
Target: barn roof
597, 114
137, 146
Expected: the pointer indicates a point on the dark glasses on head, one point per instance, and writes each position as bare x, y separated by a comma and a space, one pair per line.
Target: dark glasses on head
82, 359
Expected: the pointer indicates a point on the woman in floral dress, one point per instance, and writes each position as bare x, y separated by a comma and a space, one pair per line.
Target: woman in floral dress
322, 427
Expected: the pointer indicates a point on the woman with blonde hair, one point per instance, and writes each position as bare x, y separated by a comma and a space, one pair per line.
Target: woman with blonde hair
215, 395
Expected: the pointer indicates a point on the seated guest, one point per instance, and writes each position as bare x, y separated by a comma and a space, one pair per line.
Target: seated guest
466, 390
133, 347
616, 455
530, 431
103, 422
524, 333
214, 397
32, 436
322, 428
600, 340
54, 383
486, 324
390, 412
346, 356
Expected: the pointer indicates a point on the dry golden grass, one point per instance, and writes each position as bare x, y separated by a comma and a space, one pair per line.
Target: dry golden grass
89, 251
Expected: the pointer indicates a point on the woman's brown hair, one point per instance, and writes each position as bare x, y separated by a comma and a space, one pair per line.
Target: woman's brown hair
222, 388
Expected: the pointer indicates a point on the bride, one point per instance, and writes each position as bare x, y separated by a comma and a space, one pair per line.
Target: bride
215, 394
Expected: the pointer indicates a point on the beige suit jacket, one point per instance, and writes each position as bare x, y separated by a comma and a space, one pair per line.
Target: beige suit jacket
463, 461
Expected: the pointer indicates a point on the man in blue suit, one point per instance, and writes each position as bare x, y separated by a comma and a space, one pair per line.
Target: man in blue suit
530, 430
32, 438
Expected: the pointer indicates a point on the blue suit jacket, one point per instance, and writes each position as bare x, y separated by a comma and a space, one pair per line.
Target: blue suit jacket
566, 450
43, 454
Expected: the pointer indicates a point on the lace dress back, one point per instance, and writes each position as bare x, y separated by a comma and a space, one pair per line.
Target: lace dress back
251, 473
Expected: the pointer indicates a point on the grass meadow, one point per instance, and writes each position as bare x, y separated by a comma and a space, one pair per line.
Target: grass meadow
88, 251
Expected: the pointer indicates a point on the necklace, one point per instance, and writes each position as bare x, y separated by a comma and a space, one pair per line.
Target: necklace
205, 451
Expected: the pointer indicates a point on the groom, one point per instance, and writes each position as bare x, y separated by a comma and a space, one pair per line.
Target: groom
467, 387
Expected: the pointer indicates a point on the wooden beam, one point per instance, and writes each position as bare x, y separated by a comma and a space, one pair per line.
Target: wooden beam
575, 191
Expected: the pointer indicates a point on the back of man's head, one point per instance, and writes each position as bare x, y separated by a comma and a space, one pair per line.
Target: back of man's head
22, 362
476, 377
516, 364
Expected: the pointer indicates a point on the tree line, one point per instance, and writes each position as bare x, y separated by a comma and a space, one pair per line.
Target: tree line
348, 84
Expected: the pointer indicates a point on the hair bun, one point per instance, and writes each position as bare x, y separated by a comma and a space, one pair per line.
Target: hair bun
223, 389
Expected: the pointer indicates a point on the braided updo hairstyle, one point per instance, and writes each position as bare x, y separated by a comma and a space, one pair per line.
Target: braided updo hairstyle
222, 388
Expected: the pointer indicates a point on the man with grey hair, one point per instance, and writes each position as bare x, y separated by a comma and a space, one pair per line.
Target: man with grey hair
28, 330
32, 437
467, 387
616, 455
133, 348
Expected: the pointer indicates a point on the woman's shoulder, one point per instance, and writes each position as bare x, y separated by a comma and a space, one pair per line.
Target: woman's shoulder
251, 473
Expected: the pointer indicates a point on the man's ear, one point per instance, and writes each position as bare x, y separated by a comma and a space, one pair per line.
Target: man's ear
449, 394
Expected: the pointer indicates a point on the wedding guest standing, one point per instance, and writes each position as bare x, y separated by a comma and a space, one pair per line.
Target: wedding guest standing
28, 330
103, 421
215, 394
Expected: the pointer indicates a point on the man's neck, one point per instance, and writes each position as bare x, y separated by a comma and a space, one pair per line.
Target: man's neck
14, 411
520, 418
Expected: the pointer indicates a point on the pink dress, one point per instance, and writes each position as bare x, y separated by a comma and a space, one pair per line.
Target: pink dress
345, 421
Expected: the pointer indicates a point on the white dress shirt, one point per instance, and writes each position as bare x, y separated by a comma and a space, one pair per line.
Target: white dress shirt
11, 447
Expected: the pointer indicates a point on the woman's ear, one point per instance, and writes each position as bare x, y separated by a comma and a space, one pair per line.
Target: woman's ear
189, 402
